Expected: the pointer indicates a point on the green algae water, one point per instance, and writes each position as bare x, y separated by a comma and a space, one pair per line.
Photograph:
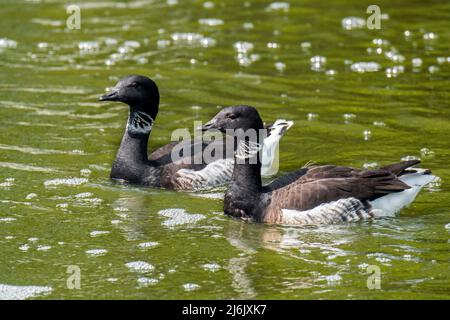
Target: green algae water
359, 97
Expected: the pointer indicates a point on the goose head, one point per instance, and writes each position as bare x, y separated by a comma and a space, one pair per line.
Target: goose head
235, 118
139, 92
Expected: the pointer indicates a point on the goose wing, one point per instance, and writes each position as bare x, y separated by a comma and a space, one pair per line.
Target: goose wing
324, 184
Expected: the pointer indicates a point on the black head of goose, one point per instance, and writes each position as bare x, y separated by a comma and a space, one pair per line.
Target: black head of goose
132, 163
314, 194
142, 96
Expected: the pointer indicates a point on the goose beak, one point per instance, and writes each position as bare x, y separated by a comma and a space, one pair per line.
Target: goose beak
210, 125
112, 95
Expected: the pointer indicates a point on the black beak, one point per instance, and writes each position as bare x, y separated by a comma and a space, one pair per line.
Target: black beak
112, 95
210, 125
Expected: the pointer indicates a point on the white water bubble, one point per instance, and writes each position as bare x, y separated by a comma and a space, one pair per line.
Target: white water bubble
176, 217
190, 286
362, 67
333, 280
212, 22
31, 196
213, 267
140, 266
243, 46
273, 45
7, 219
144, 281
43, 248
85, 172
409, 158
208, 5
331, 72
208, 42
280, 66
416, 62
147, 245
318, 63
433, 69
371, 165
379, 124
348, 117
24, 247
367, 135
351, 23
394, 71
278, 6
441, 60
42, 45
380, 42
312, 116
88, 47
65, 182
97, 233
8, 292
163, 43
430, 36
96, 252
8, 43
427, 153
248, 25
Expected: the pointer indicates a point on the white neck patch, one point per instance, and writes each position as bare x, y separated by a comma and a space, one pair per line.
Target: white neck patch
247, 149
139, 123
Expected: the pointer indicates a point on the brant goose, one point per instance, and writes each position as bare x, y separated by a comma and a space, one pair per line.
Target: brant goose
322, 194
132, 163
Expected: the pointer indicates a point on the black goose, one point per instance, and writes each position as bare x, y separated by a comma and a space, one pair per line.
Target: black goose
313, 195
190, 172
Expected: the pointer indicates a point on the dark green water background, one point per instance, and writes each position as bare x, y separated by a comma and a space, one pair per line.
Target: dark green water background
52, 127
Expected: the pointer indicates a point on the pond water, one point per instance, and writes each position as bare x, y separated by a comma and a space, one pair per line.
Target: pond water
358, 97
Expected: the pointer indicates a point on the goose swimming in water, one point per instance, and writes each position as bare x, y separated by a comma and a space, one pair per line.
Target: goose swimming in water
132, 163
313, 195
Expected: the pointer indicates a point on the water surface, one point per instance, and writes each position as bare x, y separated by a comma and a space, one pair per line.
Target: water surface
361, 101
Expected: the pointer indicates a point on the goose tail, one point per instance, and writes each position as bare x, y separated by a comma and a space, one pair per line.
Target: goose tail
415, 178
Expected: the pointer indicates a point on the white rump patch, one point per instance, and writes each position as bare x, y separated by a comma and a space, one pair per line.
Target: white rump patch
342, 210
392, 203
269, 159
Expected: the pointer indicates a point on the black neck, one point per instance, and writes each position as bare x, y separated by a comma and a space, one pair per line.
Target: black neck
247, 172
132, 156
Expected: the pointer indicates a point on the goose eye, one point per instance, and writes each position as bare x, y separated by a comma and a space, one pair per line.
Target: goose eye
232, 116
134, 84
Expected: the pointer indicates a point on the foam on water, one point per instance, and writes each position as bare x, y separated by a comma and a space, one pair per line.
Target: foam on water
140, 266
213, 267
278, 6
96, 252
25, 167
193, 39
8, 43
97, 233
65, 182
9, 292
190, 286
147, 245
352, 23
362, 67
177, 217
144, 281
212, 22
